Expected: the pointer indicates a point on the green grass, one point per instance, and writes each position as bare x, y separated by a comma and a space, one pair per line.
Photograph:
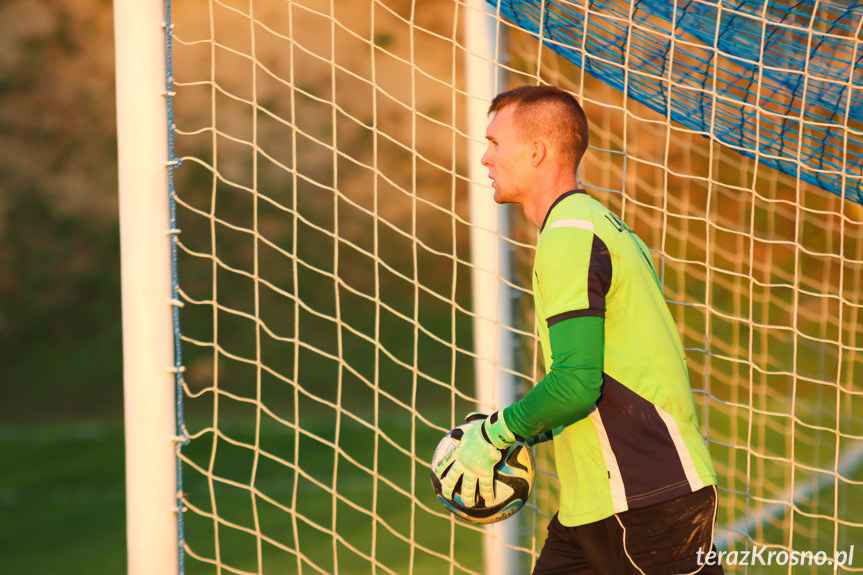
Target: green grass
372, 517
784, 451
62, 499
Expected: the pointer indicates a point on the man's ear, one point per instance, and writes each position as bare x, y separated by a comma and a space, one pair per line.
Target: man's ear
538, 152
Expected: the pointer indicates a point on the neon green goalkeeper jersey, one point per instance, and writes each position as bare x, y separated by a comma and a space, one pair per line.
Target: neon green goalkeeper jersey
635, 439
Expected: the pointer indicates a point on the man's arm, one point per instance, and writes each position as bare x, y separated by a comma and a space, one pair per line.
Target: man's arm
573, 384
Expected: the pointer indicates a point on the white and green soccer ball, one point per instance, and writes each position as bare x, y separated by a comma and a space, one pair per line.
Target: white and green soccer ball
514, 477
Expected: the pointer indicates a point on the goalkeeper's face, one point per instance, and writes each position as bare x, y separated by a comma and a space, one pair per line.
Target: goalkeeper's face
508, 159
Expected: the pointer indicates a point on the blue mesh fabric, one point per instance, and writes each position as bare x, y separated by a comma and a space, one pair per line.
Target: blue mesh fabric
779, 81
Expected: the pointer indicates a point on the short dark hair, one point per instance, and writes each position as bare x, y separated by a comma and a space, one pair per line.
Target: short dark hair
547, 111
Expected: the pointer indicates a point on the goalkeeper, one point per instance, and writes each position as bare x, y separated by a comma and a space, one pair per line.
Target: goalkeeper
637, 483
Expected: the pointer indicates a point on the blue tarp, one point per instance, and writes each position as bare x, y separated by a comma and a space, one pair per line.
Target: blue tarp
782, 82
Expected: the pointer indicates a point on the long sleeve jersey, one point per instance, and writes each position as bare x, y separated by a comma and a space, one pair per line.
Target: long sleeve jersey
616, 388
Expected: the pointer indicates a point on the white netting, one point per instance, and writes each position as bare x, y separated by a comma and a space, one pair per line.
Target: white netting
324, 268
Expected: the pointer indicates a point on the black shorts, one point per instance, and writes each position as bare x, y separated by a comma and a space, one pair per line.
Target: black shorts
661, 539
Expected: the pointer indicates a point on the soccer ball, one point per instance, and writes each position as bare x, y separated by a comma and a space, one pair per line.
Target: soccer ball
514, 476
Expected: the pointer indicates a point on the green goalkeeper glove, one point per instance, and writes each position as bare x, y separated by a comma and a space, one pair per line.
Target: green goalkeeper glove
474, 459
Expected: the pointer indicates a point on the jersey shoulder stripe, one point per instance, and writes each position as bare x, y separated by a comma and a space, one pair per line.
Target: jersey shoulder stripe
580, 224
573, 268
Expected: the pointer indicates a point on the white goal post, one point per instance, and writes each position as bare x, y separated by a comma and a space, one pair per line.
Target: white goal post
148, 347
491, 254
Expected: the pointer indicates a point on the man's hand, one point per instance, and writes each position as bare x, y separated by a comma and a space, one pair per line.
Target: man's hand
474, 459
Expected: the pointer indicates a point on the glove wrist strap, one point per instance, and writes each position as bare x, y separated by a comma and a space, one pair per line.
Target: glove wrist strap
496, 432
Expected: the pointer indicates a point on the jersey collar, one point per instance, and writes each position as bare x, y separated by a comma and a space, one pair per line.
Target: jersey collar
559, 199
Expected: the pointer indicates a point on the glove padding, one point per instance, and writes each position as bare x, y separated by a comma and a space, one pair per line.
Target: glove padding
474, 459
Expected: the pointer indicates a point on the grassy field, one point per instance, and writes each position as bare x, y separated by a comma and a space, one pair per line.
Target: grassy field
384, 502
62, 489
62, 498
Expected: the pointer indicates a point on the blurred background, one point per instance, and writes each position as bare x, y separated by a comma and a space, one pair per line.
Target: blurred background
61, 443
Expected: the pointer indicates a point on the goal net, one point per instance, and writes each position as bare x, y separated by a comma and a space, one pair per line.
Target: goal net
324, 262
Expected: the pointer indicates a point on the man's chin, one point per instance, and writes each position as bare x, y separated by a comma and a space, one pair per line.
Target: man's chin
500, 198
